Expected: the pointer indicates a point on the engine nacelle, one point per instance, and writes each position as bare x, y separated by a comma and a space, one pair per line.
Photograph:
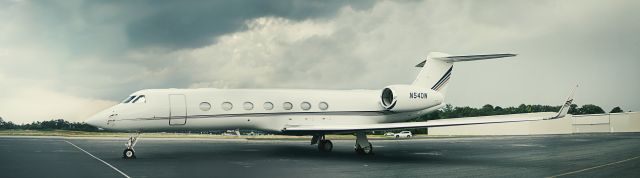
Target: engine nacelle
409, 98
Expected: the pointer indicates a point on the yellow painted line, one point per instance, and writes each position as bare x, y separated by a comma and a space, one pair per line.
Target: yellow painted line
595, 167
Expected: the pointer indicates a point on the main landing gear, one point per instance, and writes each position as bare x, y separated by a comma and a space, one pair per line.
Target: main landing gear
324, 145
128, 152
362, 147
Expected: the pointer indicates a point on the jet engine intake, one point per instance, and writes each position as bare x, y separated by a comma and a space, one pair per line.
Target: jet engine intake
409, 98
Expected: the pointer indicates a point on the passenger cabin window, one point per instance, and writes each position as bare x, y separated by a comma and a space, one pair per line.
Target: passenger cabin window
129, 99
305, 105
268, 105
140, 99
205, 106
247, 106
323, 105
287, 106
227, 106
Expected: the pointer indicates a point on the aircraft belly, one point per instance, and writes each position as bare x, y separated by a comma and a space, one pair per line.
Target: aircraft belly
270, 123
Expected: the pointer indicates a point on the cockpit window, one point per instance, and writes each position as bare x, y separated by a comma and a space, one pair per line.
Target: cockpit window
140, 99
129, 99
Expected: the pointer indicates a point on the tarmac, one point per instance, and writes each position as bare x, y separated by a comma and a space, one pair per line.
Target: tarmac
577, 155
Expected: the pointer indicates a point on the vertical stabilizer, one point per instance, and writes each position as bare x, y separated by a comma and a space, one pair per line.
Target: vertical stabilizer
437, 68
435, 73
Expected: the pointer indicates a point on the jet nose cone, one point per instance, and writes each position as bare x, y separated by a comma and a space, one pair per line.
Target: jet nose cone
94, 120
98, 120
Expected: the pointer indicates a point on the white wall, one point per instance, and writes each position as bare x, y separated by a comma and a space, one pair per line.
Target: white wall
620, 122
557, 126
591, 123
517, 128
627, 122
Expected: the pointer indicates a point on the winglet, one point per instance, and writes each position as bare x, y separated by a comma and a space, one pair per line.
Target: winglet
567, 104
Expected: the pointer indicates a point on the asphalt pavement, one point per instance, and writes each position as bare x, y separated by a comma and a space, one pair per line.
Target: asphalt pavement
577, 155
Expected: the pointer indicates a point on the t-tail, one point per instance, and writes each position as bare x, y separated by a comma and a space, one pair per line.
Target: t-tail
437, 68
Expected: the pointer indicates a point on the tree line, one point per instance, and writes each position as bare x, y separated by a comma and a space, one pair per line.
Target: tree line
57, 124
447, 112
487, 110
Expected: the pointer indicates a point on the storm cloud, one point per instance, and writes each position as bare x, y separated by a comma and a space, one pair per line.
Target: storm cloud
191, 24
69, 59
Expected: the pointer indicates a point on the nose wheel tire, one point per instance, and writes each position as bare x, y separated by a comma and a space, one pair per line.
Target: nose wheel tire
128, 154
325, 146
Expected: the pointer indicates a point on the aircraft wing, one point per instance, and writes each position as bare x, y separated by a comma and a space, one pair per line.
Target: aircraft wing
314, 129
309, 129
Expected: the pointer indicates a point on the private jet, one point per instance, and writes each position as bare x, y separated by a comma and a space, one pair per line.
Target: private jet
300, 111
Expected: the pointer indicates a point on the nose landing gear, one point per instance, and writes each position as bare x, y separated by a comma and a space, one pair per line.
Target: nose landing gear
128, 152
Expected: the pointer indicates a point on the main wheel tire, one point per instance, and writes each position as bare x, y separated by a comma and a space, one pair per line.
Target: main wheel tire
364, 150
397, 136
320, 146
408, 136
128, 154
368, 150
325, 146
328, 146
359, 150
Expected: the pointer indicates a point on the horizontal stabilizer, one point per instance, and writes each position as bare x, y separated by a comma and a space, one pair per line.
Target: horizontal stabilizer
467, 58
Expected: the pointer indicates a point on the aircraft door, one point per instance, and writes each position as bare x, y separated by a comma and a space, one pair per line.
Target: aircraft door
178, 111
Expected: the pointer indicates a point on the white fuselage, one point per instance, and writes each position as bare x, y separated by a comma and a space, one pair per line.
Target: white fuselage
297, 112
187, 109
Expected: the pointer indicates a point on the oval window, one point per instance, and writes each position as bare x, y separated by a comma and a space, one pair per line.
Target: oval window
287, 106
227, 106
205, 106
323, 105
305, 105
268, 105
247, 106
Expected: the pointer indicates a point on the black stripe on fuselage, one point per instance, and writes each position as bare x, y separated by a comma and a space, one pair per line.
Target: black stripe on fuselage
348, 113
444, 77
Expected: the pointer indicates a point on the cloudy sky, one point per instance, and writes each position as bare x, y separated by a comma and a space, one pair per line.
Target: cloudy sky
70, 59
